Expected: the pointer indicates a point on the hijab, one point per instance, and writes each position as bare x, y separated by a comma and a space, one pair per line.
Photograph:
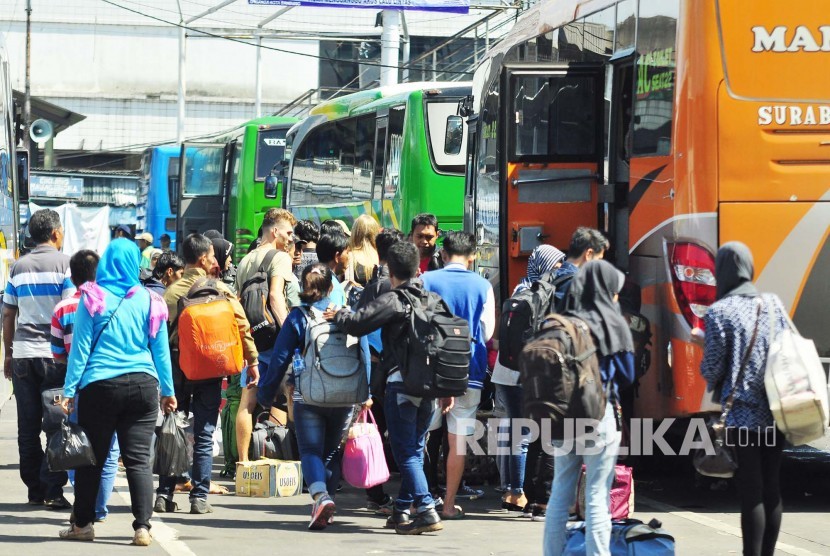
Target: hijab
221, 250
591, 299
734, 270
542, 261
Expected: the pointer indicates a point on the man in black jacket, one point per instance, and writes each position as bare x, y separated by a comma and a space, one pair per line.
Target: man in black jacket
407, 417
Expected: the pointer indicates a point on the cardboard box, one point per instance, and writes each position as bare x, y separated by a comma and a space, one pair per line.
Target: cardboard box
268, 478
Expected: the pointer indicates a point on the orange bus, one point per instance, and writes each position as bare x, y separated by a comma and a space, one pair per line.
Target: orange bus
673, 126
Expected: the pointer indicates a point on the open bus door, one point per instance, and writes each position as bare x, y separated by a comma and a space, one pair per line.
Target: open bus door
201, 195
553, 119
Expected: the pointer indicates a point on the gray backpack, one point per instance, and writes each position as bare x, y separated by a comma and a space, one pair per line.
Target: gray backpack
335, 373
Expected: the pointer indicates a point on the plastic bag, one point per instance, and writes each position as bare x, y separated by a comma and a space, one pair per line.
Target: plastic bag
171, 447
69, 448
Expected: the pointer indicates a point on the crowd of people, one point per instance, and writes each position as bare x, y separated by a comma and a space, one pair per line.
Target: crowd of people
104, 331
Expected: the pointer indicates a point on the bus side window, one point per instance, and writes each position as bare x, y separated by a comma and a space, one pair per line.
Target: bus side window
173, 183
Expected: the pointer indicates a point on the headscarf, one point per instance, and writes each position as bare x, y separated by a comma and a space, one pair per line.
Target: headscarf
221, 250
591, 299
118, 274
543, 260
734, 270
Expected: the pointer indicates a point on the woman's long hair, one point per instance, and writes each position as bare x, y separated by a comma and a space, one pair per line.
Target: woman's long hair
317, 283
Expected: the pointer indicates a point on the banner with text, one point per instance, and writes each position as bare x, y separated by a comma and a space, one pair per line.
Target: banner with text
457, 6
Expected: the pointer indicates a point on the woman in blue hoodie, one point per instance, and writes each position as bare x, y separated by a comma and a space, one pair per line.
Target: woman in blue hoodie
120, 358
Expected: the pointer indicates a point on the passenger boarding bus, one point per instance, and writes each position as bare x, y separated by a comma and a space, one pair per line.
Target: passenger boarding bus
384, 152
673, 126
220, 185
8, 188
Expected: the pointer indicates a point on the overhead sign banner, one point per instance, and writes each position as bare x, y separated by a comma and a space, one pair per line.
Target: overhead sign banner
457, 6
56, 187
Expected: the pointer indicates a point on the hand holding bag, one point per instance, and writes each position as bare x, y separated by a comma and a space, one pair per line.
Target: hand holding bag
722, 462
69, 449
364, 464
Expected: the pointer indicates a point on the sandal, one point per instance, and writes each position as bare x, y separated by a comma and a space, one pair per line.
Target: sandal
216, 488
459, 514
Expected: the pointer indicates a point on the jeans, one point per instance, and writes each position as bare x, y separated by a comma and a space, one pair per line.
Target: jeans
599, 477
107, 475
408, 424
319, 433
510, 397
205, 398
30, 378
127, 405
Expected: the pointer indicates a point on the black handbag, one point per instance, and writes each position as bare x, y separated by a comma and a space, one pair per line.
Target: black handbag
53, 414
722, 462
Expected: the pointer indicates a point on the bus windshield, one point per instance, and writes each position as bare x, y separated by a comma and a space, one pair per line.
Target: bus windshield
269, 150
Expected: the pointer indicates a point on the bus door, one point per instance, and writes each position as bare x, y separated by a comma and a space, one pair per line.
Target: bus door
201, 196
553, 116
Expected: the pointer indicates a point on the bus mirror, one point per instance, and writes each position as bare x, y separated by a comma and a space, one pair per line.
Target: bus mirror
271, 186
23, 175
455, 134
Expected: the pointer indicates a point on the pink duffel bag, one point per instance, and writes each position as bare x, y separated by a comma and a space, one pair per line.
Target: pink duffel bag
622, 493
364, 464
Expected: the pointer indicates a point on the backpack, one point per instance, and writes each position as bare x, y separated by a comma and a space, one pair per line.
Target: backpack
521, 316
438, 348
254, 299
209, 342
795, 383
560, 376
335, 373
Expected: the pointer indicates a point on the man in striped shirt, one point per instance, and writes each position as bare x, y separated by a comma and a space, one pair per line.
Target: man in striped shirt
37, 282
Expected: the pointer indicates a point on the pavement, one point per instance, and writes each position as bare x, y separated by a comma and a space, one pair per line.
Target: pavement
704, 522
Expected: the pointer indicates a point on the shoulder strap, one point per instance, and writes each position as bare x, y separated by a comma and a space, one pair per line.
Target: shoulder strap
263, 266
103, 328
727, 407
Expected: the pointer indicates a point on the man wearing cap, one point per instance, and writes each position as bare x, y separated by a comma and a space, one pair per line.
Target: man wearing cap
145, 243
123, 231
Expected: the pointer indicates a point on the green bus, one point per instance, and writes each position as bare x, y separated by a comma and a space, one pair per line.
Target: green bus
391, 152
222, 181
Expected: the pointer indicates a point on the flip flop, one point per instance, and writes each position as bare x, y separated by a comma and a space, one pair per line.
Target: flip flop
459, 514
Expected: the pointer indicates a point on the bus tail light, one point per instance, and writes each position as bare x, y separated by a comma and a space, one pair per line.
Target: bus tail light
693, 280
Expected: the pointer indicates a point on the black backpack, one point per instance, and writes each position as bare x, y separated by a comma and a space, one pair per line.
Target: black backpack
521, 316
254, 299
560, 375
438, 348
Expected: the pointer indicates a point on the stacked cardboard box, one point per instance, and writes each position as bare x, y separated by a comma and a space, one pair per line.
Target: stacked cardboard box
267, 478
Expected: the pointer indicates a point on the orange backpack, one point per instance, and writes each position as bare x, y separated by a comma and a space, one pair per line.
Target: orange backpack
209, 341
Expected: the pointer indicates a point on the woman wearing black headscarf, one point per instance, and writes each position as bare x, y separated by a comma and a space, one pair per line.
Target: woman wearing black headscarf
729, 325
226, 272
593, 299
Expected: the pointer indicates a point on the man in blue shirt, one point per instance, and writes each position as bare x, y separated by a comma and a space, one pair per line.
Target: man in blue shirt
587, 244
470, 297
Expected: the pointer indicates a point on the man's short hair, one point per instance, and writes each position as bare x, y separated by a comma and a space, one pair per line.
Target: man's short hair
585, 238
459, 244
330, 245
330, 228
164, 237
403, 260
386, 239
83, 266
167, 260
194, 247
275, 215
424, 219
42, 224
307, 231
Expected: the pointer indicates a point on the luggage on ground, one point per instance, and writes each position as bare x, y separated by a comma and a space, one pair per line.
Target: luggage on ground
364, 463
254, 296
438, 348
630, 537
622, 493
171, 446
560, 374
69, 448
335, 373
272, 440
209, 341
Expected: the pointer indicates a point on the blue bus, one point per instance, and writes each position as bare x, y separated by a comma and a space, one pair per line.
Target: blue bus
157, 192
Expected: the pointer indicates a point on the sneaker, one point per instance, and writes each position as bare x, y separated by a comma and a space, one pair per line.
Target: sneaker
439, 504
35, 501
538, 513
528, 510
425, 522
321, 512
78, 533
469, 492
397, 518
142, 537
60, 503
200, 506
382, 508
164, 505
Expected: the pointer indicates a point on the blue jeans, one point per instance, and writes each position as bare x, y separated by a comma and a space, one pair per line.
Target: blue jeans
510, 397
107, 474
408, 424
319, 432
30, 378
205, 400
599, 477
